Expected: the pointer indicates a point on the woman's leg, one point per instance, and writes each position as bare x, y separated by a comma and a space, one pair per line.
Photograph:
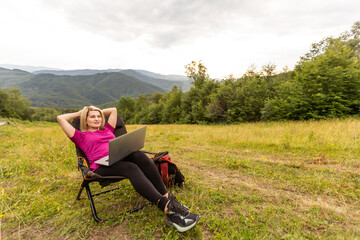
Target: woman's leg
177, 215
148, 167
136, 176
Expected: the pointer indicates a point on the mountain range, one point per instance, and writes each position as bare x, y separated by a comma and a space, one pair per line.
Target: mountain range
77, 88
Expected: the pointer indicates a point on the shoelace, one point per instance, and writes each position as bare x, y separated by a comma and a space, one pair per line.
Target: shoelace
172, 197
177, 207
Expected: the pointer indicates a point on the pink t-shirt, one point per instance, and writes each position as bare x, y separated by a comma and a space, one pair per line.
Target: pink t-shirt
95, 145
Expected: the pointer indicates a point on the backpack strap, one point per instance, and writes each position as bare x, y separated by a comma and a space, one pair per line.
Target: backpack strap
164, 170
159, 155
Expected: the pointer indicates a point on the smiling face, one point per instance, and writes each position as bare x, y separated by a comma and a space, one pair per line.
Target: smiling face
93, 120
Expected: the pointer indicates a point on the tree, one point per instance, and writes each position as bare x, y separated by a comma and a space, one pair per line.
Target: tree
197, 72
286, 104
172, 108
269, 69
354, 39
18, 106
331, 82
141, 109
155, 112
126, 109
4, 103
355, 29
198, 97
45, 114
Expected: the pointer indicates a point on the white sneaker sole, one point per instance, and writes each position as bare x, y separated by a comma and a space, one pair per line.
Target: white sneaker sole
180, 228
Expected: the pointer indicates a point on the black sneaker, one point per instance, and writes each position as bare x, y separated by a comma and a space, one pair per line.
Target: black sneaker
174, 206
179, 216
180, 222
173, 198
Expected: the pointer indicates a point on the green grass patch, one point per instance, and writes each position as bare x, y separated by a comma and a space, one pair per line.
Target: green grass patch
279, 180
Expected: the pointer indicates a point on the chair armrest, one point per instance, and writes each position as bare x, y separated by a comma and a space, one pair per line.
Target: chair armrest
85, 170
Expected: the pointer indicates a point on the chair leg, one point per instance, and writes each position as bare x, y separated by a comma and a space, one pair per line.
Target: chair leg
79, 194
92, 205
138, 208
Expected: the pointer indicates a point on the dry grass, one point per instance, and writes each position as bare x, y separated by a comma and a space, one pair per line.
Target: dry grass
280, 180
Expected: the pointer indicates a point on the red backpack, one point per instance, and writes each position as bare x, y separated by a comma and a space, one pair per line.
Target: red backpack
168, 170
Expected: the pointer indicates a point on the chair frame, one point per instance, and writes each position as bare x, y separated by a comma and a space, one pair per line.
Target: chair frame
89, 176
85, 185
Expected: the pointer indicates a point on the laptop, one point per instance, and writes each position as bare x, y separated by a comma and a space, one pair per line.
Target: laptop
124, 145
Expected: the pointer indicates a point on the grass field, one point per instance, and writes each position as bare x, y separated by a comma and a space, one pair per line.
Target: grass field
279, 180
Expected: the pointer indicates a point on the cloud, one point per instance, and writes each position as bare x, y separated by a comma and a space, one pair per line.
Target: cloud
164, 35
161, 23
164, 24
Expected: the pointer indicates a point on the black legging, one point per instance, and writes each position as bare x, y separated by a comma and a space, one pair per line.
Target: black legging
142, 174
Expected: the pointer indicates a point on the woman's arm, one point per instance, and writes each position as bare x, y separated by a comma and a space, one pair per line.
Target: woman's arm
112, 112
64, 119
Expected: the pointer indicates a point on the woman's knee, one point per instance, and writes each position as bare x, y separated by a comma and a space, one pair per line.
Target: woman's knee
140, 158
126, 169
139, 154
132, 168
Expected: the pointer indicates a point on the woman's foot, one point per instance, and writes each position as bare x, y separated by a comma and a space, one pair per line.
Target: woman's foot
179, 216
180, 222
173, 198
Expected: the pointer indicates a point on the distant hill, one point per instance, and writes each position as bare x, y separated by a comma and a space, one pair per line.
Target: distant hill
157, 80
26, 68
12, 78
166, 77
63, 91
163, 81
76, 72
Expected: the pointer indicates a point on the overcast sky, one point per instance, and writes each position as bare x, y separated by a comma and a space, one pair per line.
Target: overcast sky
163, 36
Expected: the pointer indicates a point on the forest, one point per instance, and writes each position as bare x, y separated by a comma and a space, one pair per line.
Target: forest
325, 83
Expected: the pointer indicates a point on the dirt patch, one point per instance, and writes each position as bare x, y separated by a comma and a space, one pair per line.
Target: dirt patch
229, 179
117, 232
27, 232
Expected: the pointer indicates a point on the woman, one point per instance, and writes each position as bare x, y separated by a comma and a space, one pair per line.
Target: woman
93, 139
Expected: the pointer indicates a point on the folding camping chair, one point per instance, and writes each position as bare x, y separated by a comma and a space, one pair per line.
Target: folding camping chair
90, 177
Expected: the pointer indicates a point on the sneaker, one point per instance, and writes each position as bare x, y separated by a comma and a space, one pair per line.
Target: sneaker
174, 206
173, 198
179, 215
180, 222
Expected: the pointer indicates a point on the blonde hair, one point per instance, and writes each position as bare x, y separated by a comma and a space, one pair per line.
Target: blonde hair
84, 115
